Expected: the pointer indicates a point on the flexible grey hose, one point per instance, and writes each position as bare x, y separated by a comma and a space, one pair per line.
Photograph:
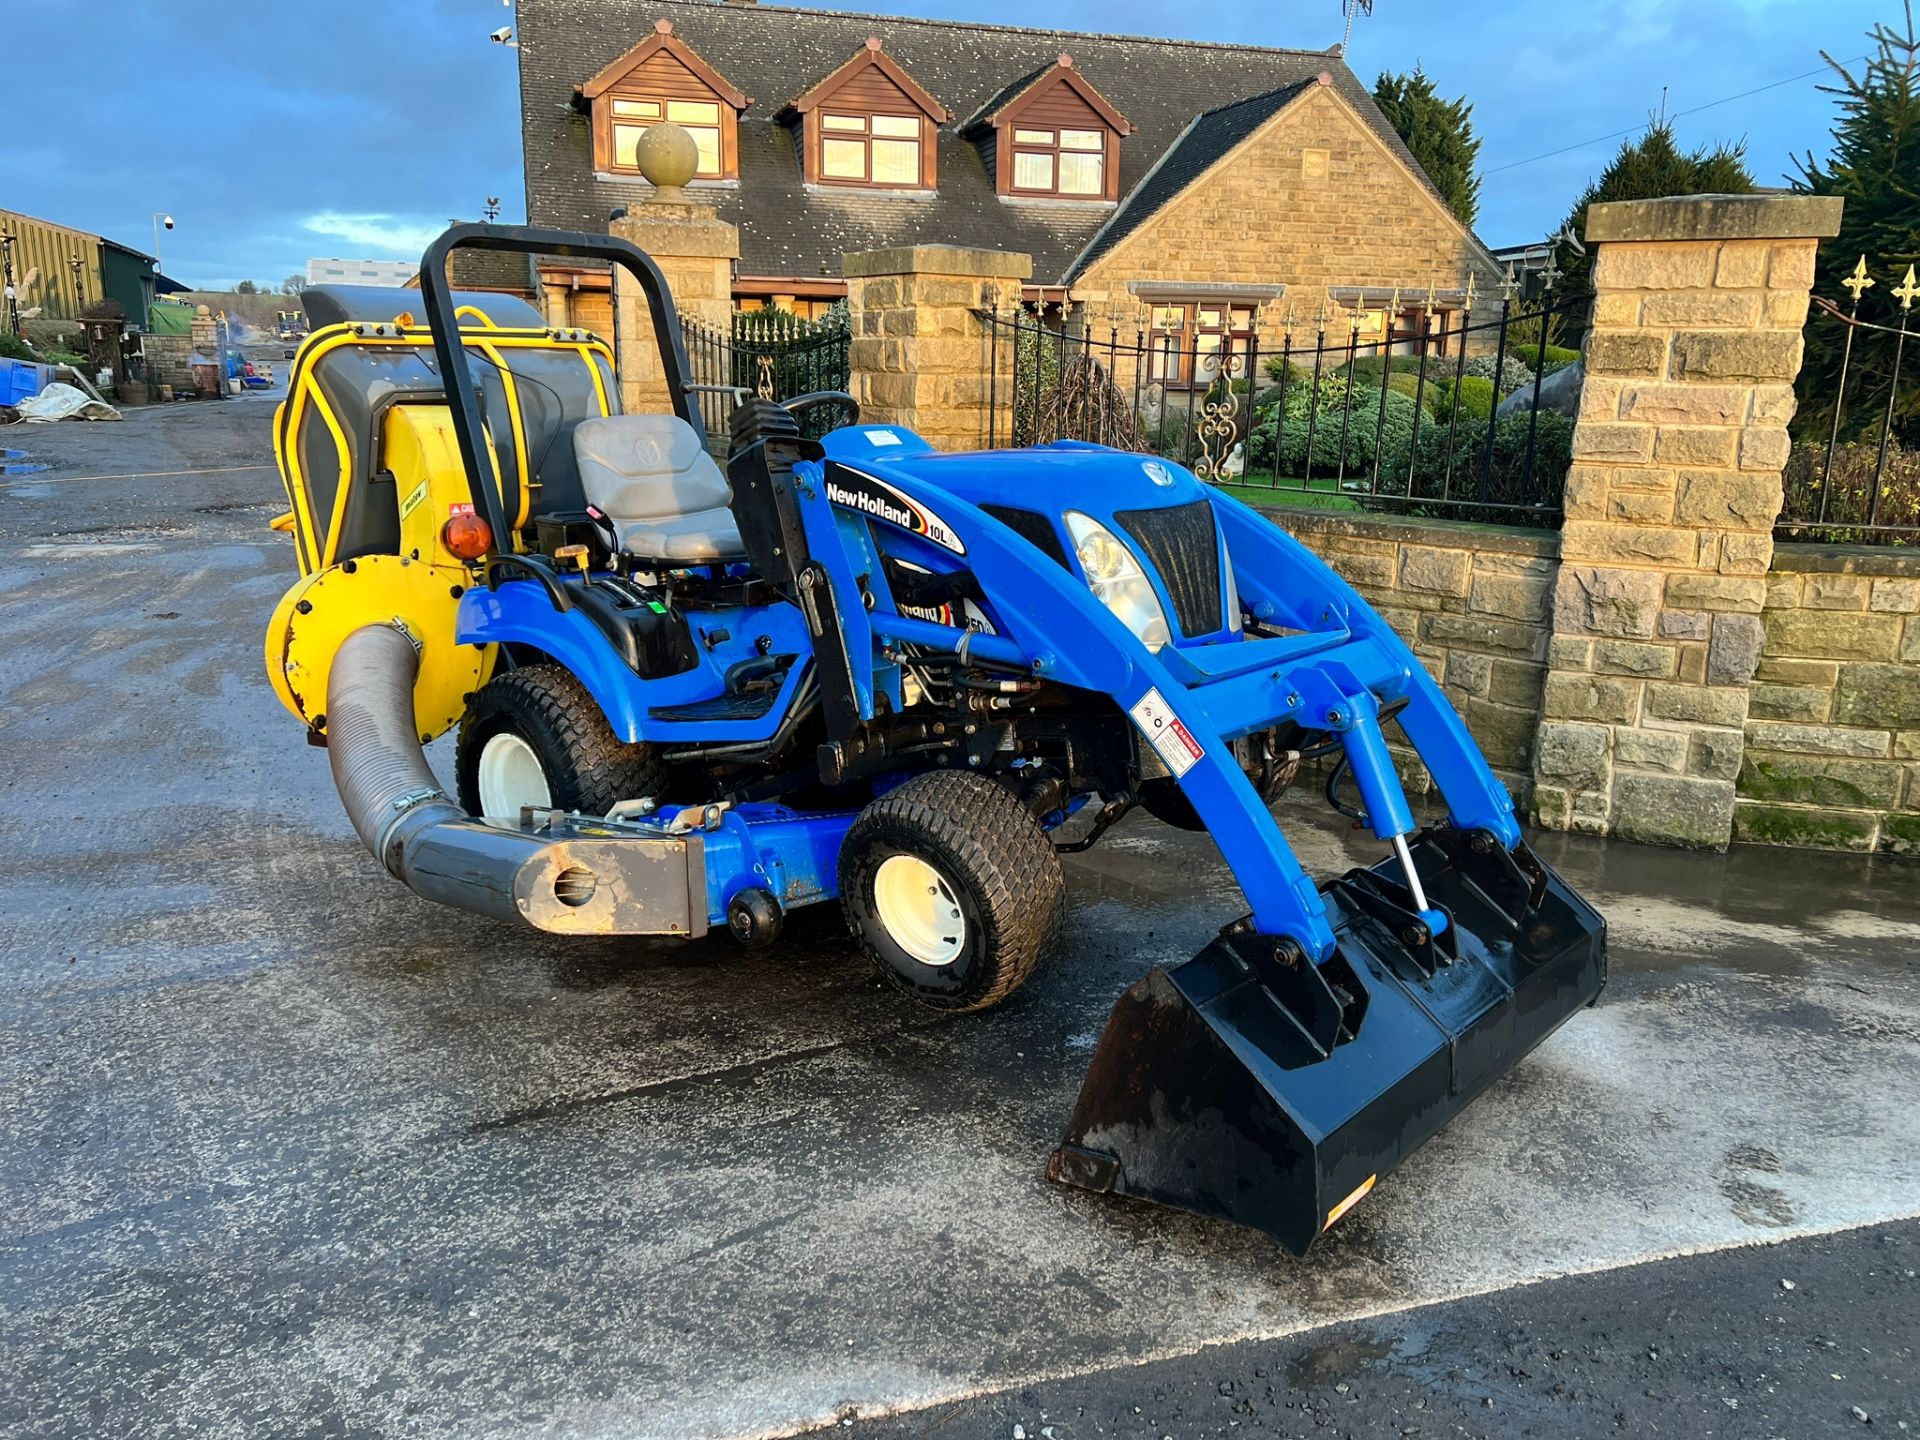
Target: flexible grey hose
549, 878
385, 783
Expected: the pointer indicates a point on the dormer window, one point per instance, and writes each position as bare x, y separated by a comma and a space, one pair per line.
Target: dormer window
1065, 162
699, 118
868, 124
878, 149
1051, 135
663, 79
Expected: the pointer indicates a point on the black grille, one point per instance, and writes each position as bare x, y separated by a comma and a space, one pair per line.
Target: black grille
1031, 526
1181, 543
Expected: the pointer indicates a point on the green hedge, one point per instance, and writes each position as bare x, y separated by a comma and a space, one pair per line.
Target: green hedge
1462, 452
1278, 440
1476, 397
1558, 357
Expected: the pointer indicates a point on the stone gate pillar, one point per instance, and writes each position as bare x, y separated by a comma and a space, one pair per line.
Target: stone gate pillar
694, 249
920, 348
1698, 307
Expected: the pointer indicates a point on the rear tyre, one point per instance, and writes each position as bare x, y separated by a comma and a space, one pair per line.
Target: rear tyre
953, 888
534, 736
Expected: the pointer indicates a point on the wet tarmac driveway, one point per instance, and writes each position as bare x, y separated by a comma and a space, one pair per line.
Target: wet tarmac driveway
286, 1151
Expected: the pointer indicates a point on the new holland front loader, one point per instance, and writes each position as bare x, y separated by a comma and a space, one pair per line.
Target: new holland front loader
691, 697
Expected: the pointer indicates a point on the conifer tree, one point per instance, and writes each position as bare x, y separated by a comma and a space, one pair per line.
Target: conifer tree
1438, 132
1874, 165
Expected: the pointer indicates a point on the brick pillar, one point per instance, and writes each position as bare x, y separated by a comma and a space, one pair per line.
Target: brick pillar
920, 348
1698, 307
695, 250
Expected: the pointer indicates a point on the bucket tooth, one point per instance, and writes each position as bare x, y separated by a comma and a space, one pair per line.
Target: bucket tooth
1251, 1085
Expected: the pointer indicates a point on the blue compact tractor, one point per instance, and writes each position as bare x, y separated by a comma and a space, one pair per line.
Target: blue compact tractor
692, 696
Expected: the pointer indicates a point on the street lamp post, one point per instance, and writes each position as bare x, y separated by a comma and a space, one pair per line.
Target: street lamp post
161, 220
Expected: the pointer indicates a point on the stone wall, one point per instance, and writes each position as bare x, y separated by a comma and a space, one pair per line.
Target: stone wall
1833, 730
1473, 602
1695, 343
169, 360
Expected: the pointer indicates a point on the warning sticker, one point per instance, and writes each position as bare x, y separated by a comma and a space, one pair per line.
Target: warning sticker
1171, 740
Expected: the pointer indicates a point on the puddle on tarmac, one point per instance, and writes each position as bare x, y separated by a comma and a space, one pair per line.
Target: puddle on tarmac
1401, 1348
15, 462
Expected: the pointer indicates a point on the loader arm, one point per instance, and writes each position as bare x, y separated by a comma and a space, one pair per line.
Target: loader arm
1333, 676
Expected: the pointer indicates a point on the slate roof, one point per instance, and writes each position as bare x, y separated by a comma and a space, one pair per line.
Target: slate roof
1169, 90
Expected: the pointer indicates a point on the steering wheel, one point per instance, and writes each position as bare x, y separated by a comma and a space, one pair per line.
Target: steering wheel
800, 404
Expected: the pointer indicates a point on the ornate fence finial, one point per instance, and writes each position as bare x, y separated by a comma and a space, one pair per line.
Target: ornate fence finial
1859, 281
1509, 286
1471, 278
1551, 271
1907, 291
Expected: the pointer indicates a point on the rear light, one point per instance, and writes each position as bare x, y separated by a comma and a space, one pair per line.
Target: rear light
466, 536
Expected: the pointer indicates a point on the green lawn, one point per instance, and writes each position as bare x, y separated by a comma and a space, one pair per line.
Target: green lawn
1322, 492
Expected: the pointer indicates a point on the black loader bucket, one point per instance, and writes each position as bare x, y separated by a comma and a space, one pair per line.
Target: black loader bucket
1252, 1085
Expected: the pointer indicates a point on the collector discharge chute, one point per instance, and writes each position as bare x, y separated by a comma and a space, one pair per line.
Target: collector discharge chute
849, 667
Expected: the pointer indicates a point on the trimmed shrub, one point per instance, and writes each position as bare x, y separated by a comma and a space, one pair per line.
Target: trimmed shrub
1432, 395
12, 348
1343, 426
1476, 397
1558, 357
1514, 372
1462, 451
1366, 369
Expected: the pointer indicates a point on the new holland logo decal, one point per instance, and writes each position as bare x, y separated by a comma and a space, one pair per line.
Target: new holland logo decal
878, 500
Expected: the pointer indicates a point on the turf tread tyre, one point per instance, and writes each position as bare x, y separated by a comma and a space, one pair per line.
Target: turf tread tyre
588, 767
983, 839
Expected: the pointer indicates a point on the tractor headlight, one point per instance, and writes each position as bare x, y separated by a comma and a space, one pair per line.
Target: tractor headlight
1117, 580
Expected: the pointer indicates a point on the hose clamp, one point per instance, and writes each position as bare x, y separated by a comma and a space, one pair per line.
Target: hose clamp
406, 630
404, 802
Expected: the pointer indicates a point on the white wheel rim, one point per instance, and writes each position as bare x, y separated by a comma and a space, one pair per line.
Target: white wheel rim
918, 910
510, 776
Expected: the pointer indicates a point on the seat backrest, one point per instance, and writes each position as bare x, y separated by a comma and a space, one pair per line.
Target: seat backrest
646, 467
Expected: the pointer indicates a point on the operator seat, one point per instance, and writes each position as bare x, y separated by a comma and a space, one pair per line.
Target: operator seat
653, 478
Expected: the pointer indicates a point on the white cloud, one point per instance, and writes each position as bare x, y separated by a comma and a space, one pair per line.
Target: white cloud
385, 236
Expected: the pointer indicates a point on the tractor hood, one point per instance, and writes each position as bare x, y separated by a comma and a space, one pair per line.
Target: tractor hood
1157, 508
1066, 475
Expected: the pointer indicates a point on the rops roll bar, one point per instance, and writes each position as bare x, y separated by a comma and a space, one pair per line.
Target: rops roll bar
462, 398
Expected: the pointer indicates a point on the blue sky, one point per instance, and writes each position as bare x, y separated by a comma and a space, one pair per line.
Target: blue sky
357, 129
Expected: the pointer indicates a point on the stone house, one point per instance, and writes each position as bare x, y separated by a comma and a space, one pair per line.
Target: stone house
1186, 185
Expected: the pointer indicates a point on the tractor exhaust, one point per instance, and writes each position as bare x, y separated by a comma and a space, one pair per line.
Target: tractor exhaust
556, 873
1253, 1085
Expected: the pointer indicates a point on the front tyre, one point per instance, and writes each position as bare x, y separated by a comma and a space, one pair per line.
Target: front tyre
953, 888
534, 736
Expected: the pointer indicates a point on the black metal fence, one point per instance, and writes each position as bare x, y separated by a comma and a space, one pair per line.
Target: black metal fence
1853, 474
771, 353
1458, 413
